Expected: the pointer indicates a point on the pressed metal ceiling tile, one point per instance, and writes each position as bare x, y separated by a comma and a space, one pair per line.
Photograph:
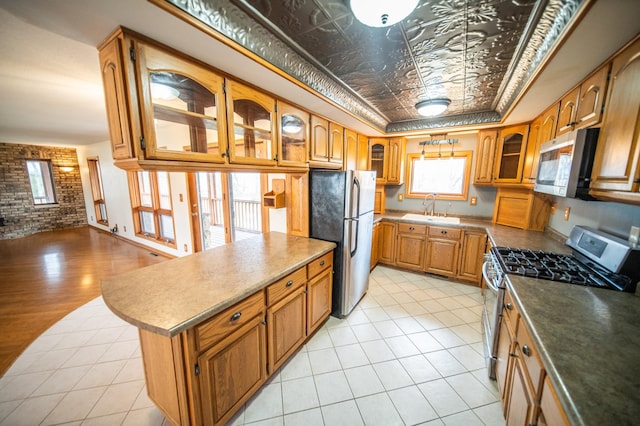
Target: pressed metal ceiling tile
460, 49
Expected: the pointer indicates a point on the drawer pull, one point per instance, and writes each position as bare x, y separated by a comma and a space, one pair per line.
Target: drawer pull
509, 306
289, 283
322, 263
236, 316
444, 232
411, 228
526, 350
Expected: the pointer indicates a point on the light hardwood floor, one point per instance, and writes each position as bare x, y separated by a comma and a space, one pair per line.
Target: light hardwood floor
45, 276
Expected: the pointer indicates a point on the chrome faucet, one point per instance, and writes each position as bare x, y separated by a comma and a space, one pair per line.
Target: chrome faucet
433, 203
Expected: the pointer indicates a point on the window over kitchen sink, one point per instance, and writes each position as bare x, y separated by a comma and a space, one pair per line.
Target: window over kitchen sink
445, 174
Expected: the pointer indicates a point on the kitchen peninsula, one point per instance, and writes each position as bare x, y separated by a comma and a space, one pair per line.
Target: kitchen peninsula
237, 308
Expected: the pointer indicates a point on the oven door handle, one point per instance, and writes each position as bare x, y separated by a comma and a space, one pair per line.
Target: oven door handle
488, 280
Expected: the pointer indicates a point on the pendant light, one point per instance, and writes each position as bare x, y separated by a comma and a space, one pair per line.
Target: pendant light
382, 13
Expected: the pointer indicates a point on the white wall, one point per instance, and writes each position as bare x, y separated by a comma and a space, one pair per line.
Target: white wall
486, 195
614, 218
116, 193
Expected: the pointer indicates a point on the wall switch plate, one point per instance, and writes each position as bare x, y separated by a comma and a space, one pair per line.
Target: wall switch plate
554, 206
474, 201
400, 197
566, 213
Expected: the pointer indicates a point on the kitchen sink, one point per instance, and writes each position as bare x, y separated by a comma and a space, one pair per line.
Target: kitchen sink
432, 219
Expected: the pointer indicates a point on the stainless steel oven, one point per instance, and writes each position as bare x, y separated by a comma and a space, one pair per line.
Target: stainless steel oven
492, 310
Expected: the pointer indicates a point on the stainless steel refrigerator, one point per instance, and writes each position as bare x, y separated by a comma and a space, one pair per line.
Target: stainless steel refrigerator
341, 211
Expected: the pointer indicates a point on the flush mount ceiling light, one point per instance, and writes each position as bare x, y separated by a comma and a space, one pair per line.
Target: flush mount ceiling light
432, 107
382, 13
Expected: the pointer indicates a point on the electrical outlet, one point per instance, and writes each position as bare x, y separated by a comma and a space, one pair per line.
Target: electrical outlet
474, 201
124, 228
186, 248
634, 235
400, 197
554, 207
180, 197
91, 218
566, 213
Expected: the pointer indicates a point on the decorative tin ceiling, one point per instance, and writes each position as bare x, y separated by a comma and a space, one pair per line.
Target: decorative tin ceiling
478, 53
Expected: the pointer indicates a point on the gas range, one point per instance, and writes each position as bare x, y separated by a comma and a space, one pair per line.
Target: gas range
598, 260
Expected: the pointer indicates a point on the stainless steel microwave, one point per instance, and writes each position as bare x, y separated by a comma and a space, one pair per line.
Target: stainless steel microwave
565, 164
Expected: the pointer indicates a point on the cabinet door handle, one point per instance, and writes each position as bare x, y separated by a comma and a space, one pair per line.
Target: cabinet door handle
526, 350
236, 316
509, 306
322, 263
289, 283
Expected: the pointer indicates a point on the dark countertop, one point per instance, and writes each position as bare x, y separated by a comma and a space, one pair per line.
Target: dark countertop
588, 338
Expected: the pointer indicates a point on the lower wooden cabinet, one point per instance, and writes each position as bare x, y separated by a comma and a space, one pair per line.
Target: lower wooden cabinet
387, 248
375, 243
319, 298
286, 325
472, 255
207, 373
551, 413
443, 245
231, 371
411, 243
521, 408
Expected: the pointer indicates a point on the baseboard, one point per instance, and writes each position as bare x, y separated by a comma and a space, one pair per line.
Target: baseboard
127, 240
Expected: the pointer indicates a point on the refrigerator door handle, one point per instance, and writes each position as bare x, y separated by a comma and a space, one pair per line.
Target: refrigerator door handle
356, 185
352, 239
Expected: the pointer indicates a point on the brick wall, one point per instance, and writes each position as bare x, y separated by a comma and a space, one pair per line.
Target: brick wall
21, 216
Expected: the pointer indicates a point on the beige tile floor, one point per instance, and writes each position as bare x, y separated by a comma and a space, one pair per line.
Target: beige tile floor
410, 353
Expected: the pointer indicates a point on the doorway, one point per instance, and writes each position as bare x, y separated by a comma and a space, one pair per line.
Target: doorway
226, 207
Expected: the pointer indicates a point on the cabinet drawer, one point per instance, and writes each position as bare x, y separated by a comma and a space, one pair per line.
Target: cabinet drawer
410, 228
286, 285
320, 264
529, 355
510, 311
229, 320
440, 232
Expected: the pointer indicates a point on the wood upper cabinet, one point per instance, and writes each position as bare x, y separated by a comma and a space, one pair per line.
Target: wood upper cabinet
251, 118
297, 203
336, 143
379, 200
362, 161
410, 246
379, 158
616, 164
182, 107
541, 130
472, 256
443, 245
395, 169
568, 111
350, 150
293, 137
512, 144
116, 90
486, 152
592, 96
327, 141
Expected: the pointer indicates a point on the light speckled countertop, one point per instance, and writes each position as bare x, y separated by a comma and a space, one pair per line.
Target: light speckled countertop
588, 338
173, 296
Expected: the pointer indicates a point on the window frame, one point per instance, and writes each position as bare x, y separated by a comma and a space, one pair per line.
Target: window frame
97, 190
154, 209
431, 156
48, 182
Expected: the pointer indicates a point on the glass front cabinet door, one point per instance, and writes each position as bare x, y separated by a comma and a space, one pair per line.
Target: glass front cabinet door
293, 146
182, 108
251, 118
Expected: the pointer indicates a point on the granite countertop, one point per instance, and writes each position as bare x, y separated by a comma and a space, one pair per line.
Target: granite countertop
589, 342
173, 296
588, 338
